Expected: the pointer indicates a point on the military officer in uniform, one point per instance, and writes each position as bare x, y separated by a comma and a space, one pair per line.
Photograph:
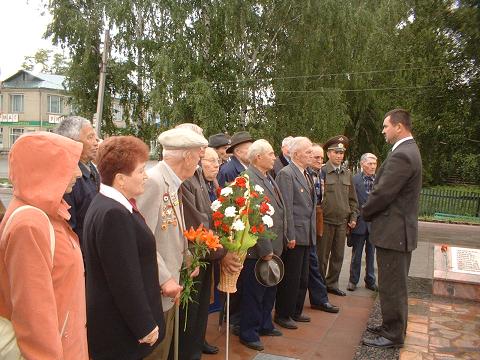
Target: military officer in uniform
340, 209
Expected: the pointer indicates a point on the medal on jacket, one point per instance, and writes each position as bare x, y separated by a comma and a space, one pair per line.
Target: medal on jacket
168, 214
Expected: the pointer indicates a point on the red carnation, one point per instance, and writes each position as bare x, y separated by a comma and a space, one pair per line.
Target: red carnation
218, 191
240, 201
225, 228
253, 229
266, 198
240, 182
264, 207
261, 228
217, 223
222, 199
217, 215
254, 194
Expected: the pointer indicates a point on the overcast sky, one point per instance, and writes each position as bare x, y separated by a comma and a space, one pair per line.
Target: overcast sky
22, 27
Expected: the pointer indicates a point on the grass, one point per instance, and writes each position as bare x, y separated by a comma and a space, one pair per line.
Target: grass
467, 188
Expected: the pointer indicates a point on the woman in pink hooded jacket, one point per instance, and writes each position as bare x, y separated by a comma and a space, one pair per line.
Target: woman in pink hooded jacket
43, 298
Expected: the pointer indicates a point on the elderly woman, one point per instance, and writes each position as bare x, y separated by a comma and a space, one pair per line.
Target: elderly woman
42, 286
124, 308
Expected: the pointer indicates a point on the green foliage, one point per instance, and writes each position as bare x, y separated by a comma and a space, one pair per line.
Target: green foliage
314, 68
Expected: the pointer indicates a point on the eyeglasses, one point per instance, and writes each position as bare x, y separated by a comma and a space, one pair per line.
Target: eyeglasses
213, 161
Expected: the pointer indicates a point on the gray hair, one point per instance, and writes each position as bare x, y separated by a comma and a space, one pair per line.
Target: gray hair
71, 126
175, 154
367, 156
297, 143
190, 126
287, 141
258, 147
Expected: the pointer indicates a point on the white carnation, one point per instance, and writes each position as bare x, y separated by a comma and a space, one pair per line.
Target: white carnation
226, 191
238, 225
267, 220
216, 205
258, 189
271, 210
230, 211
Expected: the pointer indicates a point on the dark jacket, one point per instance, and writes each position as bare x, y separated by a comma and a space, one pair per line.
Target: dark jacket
265, 245
362, 227
392, 206
123, 291
339, 204
229, 171
280, 162
299, 205
85, 189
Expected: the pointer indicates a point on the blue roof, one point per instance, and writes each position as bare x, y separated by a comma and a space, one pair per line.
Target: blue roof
24, 79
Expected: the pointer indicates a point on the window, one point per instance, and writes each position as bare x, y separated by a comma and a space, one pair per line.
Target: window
16, 103
14, 135
55, 104
1, 103
1, 137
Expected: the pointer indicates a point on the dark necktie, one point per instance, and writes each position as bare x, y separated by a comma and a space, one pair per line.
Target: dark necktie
135, 208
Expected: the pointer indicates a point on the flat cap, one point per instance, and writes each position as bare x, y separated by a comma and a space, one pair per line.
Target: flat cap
337, 143
239, 138
181, 138
218, 140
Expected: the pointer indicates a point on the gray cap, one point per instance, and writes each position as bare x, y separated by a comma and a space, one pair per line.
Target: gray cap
181, 138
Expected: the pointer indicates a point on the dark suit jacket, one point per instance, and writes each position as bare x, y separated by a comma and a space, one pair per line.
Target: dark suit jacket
392, 206
264, 245
123, 291
299, 205
279, 164
362, 227
229, 171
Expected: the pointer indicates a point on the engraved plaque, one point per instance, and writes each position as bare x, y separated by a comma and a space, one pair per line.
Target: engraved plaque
466, 260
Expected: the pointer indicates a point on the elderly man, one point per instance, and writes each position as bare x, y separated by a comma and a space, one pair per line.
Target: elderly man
283, 159
220, 143
297, 190
392, 207
241, 141
256, 299
340, 209
161, 206
87, 186
317, 288
363, 182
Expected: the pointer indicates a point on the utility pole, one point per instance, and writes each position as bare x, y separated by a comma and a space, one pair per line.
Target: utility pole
101, 84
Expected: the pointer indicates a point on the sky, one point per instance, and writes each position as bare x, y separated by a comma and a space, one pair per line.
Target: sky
21, 35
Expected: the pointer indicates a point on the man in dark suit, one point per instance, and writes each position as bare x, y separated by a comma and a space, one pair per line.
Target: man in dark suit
392, 207
256, 299
363, 182
238, 163
299, 198
283, 159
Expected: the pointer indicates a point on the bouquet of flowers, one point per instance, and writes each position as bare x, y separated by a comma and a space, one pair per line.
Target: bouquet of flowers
201, 242
241, 213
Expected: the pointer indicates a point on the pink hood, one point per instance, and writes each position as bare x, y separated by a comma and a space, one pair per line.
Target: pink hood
41, 165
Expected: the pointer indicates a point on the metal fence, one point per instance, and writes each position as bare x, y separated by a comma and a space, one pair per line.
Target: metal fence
455, 202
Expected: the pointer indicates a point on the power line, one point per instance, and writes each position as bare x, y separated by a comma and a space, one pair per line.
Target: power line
350, 90
346, 73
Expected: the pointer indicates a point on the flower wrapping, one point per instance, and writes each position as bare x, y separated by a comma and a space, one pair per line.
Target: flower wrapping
241, 214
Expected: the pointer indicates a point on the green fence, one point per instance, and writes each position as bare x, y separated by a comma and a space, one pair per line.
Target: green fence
453, 202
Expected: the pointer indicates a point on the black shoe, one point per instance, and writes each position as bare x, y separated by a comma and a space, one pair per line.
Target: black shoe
209, 349
377, 330
327, 307
351, 286
235, 330
274, 332
381, 342
301, 318
285, 323
255, 345
373, 287
336, 291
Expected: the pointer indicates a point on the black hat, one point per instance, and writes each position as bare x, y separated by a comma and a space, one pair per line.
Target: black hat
337, 143
218, 140
269, 272
239, 138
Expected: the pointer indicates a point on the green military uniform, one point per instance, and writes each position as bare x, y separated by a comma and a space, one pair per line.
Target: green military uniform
340, 206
